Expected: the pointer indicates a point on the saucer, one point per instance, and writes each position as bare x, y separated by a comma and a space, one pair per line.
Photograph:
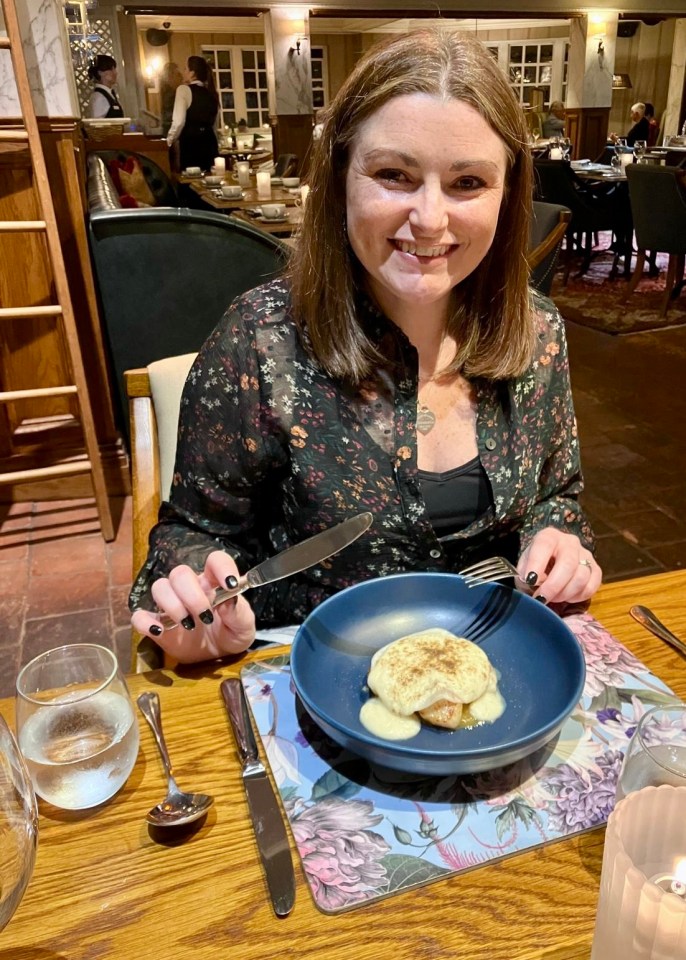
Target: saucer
192, 176
264, 219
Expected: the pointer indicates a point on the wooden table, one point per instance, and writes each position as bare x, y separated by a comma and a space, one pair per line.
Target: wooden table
250, 198
283, 228
102, 889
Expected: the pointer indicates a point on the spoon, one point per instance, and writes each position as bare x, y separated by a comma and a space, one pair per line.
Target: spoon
177, 807
648, 619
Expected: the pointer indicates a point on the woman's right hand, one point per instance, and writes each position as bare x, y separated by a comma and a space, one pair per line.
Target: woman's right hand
202, 633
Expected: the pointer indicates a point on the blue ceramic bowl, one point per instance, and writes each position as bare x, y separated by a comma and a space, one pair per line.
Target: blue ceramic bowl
539, 660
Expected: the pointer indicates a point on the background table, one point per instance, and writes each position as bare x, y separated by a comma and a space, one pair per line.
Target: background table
102, 888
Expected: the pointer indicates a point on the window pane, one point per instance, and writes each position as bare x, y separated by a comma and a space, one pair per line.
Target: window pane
515, 74
515, 54
529, 74
546, 53
224, 59
262, 79
224, 78
248, 59
251, 100
530, 53
317, 98
253, 119
545, 74
317, 69
249, 78
261, 62
227, 101
264, 99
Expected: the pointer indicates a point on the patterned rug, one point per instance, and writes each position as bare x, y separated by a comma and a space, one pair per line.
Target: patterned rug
599, 300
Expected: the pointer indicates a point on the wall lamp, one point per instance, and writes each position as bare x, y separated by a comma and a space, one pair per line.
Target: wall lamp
298, 41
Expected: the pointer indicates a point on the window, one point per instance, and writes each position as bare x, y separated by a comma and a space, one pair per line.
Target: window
240, 76
530, 71
320, 84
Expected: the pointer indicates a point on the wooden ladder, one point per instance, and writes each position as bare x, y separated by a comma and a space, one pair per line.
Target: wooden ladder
62, 311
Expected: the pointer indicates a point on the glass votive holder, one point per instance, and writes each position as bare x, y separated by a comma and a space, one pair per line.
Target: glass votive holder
264, 185
642, 904
656, 753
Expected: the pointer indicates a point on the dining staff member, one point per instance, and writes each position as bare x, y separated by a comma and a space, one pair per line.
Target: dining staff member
195, 113
403, 367
104, 102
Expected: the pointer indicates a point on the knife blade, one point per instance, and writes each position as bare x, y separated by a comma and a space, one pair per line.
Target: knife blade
266, 815
292, 560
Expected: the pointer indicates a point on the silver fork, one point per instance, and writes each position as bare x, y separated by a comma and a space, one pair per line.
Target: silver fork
495, 568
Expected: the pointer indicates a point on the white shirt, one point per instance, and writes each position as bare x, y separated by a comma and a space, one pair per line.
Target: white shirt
182, 101
99, 105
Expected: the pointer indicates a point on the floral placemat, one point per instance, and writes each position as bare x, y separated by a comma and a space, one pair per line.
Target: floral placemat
364, 833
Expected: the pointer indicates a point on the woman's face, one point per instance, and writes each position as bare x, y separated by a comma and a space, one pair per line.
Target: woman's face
188, 75
108, 77
424, 187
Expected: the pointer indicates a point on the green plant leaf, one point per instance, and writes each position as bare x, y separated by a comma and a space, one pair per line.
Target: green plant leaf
405, 871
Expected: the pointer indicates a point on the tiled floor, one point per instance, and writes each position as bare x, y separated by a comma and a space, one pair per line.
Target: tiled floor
60, 582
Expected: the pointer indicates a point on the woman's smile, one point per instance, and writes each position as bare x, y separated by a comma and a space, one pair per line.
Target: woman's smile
424, 187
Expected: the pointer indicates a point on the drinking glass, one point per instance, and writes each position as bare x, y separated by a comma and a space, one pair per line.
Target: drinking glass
566, 145
76, 725
18, 825
640, 147
656, 753
616, 163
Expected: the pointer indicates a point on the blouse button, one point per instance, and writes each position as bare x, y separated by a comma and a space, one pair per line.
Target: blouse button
490, 444
434, 554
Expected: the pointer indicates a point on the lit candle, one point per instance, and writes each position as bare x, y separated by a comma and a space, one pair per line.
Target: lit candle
674, 882
220, 165
264, 185
555, 153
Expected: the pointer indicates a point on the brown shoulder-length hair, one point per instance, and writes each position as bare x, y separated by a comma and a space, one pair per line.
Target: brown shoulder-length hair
491, 319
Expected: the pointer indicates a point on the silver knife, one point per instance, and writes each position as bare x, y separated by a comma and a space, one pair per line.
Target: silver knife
267, 819
292, 560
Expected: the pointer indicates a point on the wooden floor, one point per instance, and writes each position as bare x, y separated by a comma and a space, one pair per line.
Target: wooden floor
60, 583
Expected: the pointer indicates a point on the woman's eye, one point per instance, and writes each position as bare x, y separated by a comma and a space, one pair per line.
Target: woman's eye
469, 183
390, 175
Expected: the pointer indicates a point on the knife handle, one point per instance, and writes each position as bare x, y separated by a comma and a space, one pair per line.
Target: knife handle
239, 715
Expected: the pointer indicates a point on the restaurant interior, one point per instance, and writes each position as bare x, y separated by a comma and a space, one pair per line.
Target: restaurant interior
109, 246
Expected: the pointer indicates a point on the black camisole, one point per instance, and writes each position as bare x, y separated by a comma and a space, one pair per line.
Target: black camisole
456, 498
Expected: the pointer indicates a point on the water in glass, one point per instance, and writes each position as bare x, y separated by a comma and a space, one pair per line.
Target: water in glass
18, 826
76, 723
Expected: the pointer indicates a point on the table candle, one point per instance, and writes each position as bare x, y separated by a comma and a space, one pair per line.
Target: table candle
626, 158
220, 164
641, 909
264, 185
555, 153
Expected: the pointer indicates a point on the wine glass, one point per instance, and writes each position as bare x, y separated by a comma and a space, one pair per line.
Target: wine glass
76, 725
640, 147
566, 145
18, 825
656, 753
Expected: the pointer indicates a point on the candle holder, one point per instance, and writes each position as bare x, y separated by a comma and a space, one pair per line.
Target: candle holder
264, 185
641, 908
656, 753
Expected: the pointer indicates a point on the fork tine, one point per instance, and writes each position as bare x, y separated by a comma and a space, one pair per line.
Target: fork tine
496, 568
489, 616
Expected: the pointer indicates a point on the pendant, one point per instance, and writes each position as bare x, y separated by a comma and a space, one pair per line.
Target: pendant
426, 420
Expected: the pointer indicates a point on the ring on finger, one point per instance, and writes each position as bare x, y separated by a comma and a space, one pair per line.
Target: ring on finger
585, 563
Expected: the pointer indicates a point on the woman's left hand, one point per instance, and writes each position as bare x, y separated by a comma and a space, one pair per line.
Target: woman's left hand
565, 572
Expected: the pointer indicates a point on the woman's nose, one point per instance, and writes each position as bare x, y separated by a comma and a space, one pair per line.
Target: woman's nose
429, 213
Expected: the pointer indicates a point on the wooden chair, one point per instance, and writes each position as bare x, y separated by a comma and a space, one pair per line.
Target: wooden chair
548, 227
154, 396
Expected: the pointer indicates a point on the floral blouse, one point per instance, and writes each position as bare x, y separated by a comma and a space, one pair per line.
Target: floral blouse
272, 450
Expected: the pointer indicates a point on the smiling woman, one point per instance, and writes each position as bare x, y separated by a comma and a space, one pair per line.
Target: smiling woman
403, 367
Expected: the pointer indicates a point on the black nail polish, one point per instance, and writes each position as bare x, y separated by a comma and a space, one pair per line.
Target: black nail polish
155, 630
531, 578
188, 623
231, 582
541, 598
207, 616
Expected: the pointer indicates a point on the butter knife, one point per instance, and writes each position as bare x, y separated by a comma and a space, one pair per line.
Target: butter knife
267, 819
292, 560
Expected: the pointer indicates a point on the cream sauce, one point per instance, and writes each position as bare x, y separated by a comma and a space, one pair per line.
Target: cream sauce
382, 722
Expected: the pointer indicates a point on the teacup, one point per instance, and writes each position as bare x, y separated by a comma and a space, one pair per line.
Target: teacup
213, 181
290, 182
231, 191
193, 171
273, 211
